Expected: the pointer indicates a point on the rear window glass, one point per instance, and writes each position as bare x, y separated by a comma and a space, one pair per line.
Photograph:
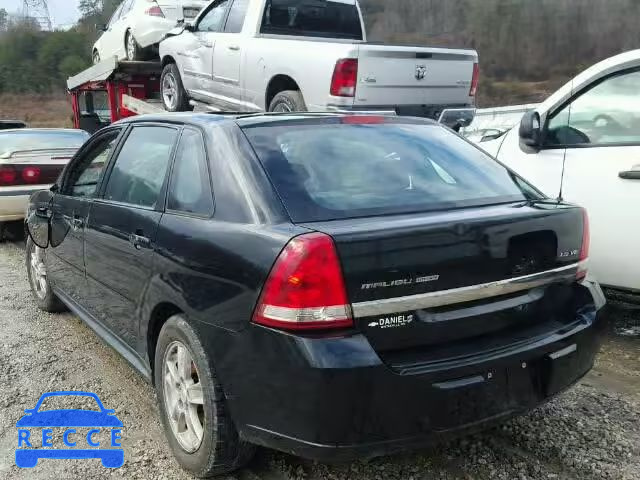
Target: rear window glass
12, 142
336, 171
313, 18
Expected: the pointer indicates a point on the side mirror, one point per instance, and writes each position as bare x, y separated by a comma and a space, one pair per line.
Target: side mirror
530, 130
38, 221
101, 27
189, 27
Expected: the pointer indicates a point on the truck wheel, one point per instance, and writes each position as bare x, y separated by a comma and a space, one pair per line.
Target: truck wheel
174, 96
192, 404
288, 101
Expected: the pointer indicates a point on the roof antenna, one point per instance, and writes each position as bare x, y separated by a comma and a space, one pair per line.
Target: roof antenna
560, 198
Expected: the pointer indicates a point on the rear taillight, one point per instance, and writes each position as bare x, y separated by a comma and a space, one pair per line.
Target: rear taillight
31, 174
345, 78
363, 120
474, 80
17, 174
305, 289
154, 12
584, 250
8, 176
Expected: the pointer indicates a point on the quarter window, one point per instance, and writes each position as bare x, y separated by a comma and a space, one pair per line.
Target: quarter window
237, 12
606, 114
212, 20
85, 176
190, 190
141, 167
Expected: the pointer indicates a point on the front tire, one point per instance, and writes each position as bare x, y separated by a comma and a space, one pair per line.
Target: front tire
288, 101
174, 96
194, 413
39, 279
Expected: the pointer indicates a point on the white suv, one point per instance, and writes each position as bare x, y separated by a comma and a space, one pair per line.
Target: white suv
138, 25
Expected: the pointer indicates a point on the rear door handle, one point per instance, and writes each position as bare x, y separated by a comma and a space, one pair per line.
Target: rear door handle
139, 241
235, 48
630, 175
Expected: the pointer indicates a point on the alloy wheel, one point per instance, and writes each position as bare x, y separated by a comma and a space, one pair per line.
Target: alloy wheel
38, 272
170, 91
183, 396
131, 47
283, 108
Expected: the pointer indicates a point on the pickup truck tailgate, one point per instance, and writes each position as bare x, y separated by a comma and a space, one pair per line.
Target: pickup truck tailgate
403, 75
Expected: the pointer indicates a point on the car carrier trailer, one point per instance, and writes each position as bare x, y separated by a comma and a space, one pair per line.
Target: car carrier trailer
112, 90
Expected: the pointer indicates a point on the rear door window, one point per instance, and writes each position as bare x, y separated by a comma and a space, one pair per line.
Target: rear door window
313, 18
140, 169
334, 171
190, 185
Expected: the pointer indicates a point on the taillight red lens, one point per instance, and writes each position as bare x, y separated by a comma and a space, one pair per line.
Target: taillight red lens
475, 80
363, 120
31, 175
345, 78
305, 289
8, 176
154, 12
586, 243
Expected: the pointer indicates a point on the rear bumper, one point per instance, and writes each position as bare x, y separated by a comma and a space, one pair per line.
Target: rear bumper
15, 200
151, 30
335, 399
427, 111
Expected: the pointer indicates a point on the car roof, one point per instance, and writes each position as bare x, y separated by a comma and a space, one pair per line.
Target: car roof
42, 130
244, 119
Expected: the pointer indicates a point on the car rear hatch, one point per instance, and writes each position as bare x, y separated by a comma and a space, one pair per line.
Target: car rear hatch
407, 75
442, 249
181, 9
442, 279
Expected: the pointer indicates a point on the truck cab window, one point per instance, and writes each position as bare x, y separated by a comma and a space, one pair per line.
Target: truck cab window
603, 115
212, 20
235, 20
331, 19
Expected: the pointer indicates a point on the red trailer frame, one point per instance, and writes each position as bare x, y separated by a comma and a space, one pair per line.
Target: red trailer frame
118, 82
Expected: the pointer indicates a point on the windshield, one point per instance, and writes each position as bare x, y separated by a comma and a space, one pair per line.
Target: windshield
313, 18
11, 142
335, 171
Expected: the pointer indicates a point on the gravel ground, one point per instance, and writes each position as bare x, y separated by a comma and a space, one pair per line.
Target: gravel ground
590, 432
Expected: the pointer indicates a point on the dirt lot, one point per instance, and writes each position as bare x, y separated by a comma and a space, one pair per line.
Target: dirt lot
50, 111
590, 432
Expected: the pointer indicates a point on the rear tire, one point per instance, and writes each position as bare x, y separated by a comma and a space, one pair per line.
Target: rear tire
288, 101
134, 51
174, 96
41, 290
219, 450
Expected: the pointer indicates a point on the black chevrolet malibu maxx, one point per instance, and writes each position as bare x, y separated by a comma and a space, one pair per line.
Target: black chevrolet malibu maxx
325, 285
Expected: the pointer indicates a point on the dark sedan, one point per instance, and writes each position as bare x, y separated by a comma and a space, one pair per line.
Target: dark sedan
326, 285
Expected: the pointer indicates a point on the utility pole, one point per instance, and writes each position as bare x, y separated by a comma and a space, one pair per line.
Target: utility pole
38, 11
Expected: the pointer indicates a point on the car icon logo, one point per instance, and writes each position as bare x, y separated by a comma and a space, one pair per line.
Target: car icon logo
421, 72
35, 433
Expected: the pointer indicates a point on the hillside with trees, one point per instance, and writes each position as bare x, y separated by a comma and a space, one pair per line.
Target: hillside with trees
526, 47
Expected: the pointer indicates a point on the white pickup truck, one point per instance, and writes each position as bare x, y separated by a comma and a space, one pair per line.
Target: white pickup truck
299, 55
